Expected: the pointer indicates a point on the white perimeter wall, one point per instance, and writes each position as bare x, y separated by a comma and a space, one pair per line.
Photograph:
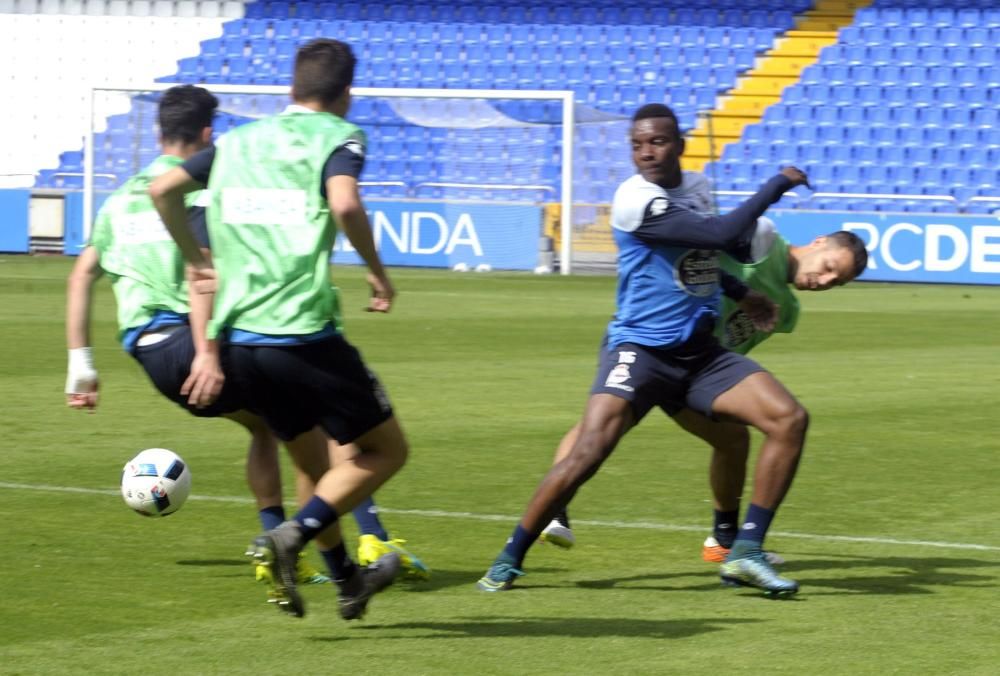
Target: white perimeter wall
51, 60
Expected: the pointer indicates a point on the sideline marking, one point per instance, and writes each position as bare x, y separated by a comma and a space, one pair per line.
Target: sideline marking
472, 516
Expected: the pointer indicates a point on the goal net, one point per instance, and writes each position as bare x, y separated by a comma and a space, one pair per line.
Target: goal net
496, 178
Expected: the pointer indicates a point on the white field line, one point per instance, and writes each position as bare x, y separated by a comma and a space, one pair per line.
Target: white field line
472, 516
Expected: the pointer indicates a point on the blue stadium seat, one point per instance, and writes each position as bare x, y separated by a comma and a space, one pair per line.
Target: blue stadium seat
591, 35
852, 116
909, 56
967, 76
899, 36
972, 96
775, 114
985, 117
881, 55
871, 35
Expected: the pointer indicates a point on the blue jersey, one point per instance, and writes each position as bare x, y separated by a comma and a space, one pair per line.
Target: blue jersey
668, 266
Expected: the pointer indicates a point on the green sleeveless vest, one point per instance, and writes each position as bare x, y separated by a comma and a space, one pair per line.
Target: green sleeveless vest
270, 228
769, 276
144, 265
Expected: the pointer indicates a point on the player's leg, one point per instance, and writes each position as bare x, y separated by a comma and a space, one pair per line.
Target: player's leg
262, 470
326, 383
167, 362
558, 532
264, 478
730, 443
606, 420
760, 400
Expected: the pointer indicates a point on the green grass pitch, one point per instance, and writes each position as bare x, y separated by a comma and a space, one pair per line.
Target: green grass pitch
891, 527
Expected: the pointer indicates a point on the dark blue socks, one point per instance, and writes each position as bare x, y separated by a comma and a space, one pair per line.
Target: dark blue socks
272, 517
366, 514
724, 529
314, 518
339, 563
517, 546
754, 528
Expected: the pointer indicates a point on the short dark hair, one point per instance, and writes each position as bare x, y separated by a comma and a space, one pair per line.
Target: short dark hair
184, 112
324, 68
847, 239
655, 110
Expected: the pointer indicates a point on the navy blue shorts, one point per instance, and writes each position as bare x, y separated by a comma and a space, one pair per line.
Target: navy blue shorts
689, 376
325, 383
168, 364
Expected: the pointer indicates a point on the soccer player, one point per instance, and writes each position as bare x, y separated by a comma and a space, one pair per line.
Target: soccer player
774, 268
660, 350
280, 188
130, 244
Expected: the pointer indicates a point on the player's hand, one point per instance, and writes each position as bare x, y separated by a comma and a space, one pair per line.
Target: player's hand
202, 279
205, 381
796, 176
83, 393
382, 294
82, 382
760, 309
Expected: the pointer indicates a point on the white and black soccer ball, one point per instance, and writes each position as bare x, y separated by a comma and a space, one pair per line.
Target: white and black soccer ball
156, 482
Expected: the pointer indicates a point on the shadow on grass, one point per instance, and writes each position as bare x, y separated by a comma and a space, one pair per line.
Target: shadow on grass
905, 575
213, 562
574, 627
443, 579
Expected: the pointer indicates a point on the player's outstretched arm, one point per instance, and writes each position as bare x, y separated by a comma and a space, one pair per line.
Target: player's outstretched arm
347, 208
677, 226
81, 377
167, 192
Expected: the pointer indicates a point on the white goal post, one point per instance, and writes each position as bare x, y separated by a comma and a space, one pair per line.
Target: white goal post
106, 101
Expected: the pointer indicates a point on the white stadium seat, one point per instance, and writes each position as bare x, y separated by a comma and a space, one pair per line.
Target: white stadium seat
232, 10
209, 9
163, 8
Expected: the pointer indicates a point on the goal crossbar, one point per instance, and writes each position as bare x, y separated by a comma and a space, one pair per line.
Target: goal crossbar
565, 97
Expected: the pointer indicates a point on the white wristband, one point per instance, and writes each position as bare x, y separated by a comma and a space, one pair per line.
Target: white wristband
81, 375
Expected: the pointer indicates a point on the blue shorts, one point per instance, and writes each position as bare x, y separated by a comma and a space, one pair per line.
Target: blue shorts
168, 364
689, 376
325, 383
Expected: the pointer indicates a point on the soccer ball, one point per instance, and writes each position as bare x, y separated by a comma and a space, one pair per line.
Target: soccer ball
156, 482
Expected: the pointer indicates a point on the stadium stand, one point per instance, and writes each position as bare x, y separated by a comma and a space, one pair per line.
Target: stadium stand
904, 104
902, 101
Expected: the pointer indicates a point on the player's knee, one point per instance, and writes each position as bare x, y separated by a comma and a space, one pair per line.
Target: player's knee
793, 420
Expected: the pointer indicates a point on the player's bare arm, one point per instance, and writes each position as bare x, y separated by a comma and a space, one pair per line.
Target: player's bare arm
81, 377
346, 206
670, 224
205, 381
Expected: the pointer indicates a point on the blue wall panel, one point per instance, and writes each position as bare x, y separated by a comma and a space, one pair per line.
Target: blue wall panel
440, 234
14, 210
